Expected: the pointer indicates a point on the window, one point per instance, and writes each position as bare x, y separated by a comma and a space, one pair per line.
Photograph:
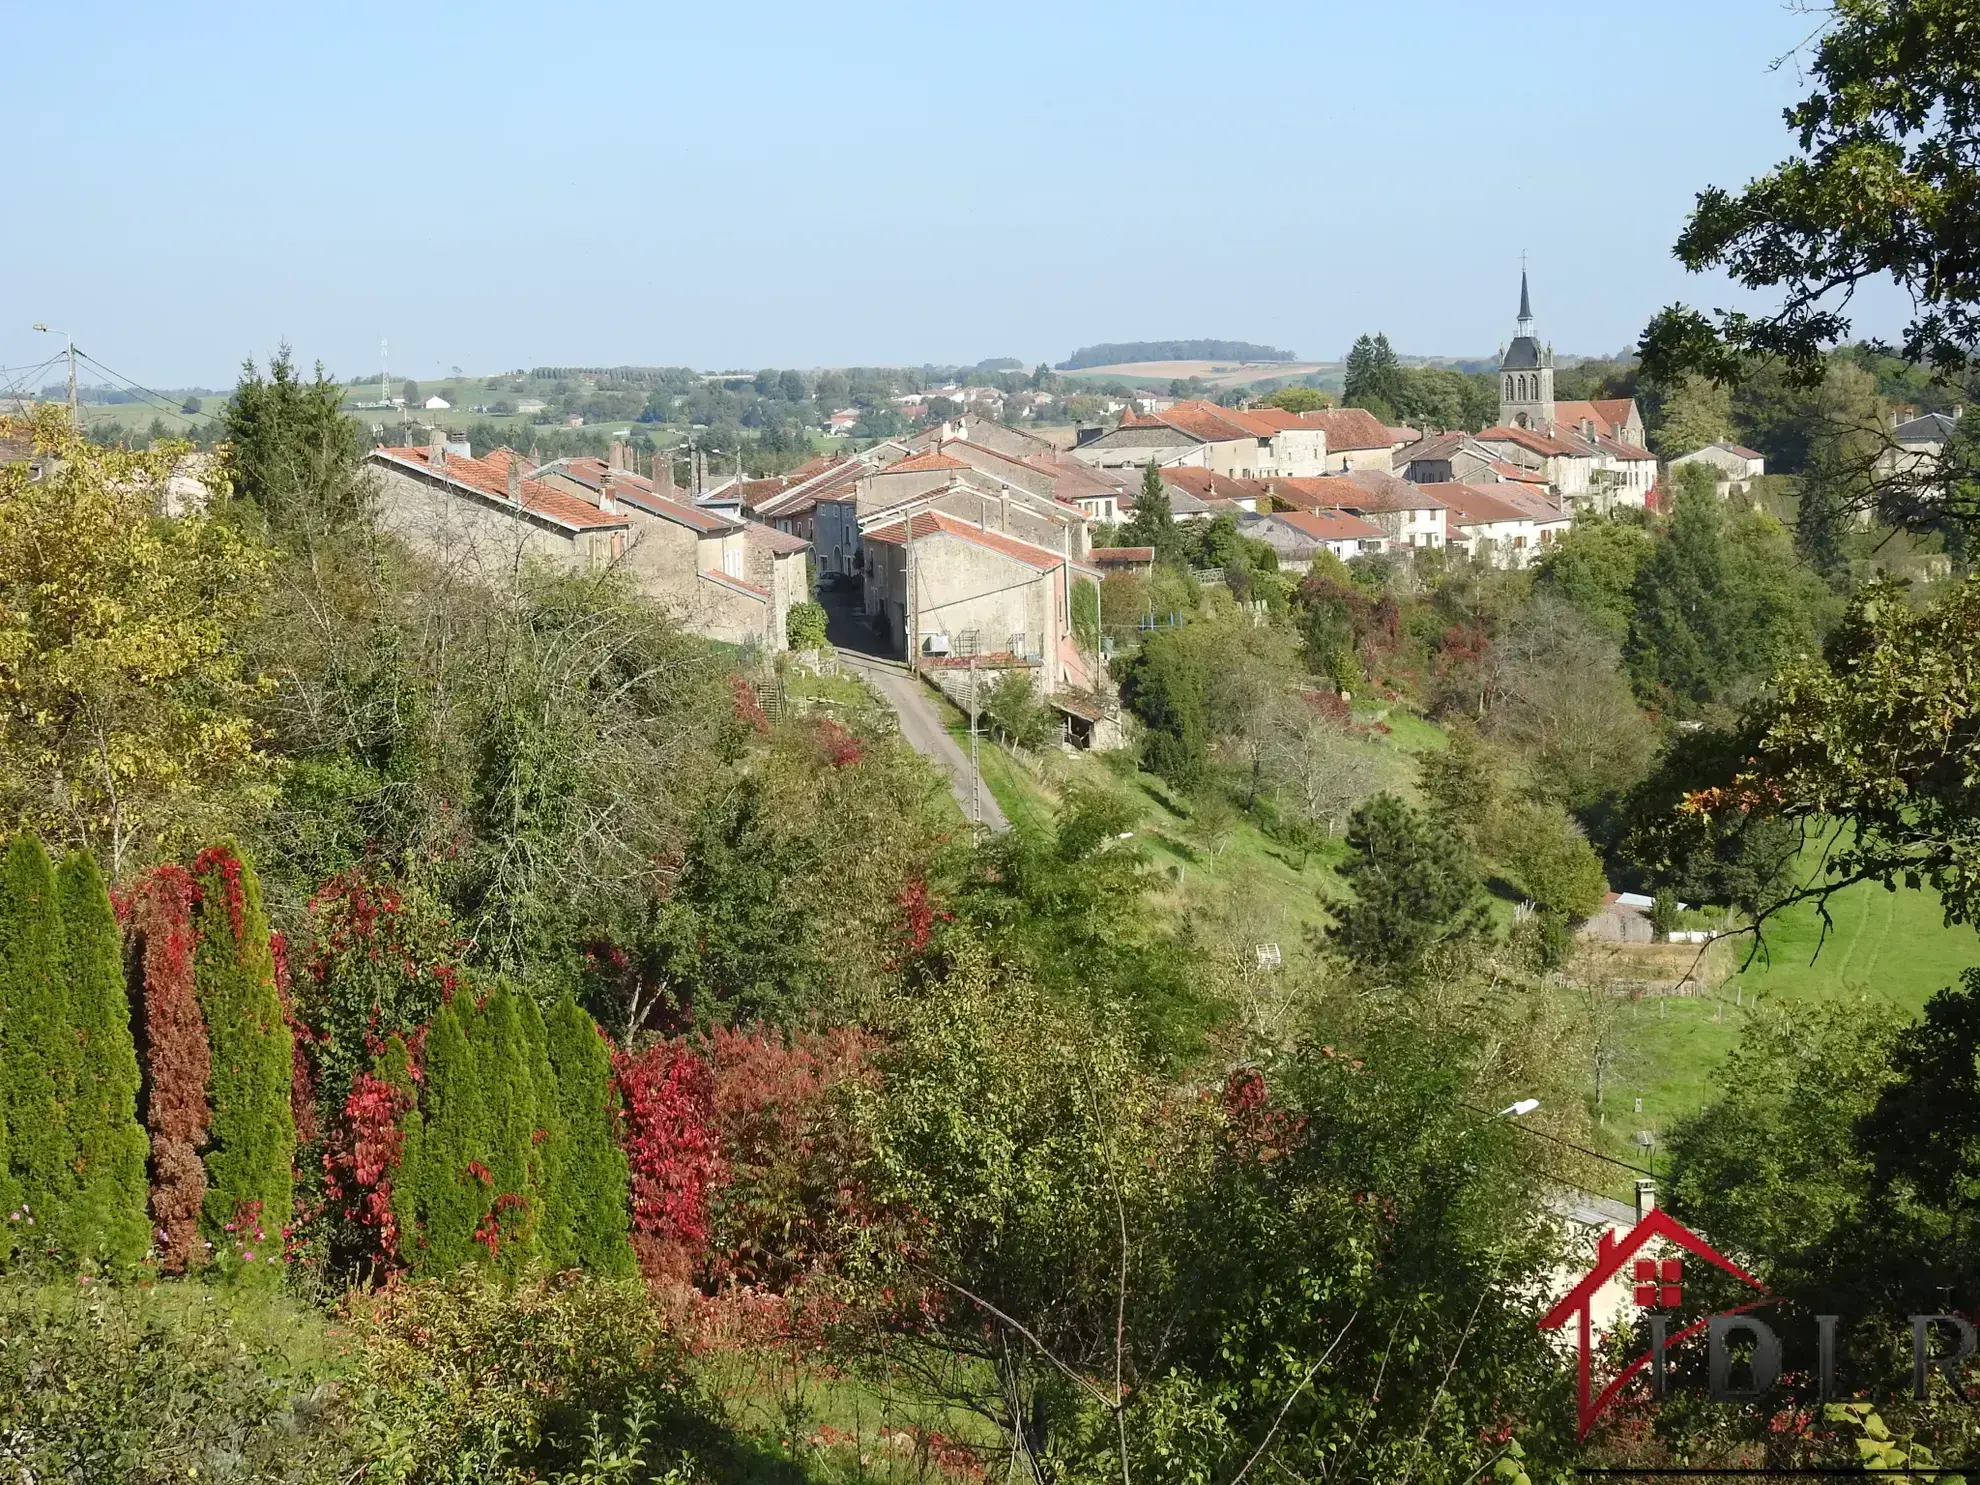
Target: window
618, 545
732, 559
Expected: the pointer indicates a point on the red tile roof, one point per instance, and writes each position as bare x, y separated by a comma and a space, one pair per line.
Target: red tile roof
1526, 438
1476, 505
935, 522
1349, 428
1517, 474
1329, 525
1113, 556
1212, 424
490, 476
934, 459
772, 540
694, 517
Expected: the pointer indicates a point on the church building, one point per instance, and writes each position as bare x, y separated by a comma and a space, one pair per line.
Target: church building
1592, 452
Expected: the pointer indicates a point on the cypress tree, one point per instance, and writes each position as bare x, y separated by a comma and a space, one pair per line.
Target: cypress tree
448, 1195
589, 1201
37, 1070
554, 1231
393, 1067
106, 1218
250, 1159
509, 1082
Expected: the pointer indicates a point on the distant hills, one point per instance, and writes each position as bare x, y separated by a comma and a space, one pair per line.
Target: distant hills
1137, 351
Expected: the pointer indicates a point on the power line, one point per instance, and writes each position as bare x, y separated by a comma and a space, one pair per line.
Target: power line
165, 403
1541, 1134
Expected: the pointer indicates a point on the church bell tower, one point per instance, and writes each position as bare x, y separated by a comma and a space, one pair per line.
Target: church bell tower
1526, 374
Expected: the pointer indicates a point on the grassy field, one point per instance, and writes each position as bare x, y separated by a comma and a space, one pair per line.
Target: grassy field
1884, 946
1216, 864
1665, 1049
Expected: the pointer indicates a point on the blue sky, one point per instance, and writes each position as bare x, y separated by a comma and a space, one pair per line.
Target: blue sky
497, 185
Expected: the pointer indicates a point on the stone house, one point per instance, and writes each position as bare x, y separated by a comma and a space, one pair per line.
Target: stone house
1734, 467
484, 518
1410, 517
1298, 536
1355, 439
934, 578
1503, 525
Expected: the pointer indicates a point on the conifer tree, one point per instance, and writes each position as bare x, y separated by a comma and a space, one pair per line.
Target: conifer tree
37, 1049
445, 1182
159, 912
587, 1207
106, 1218
554, 1230
1153, 524
251, 1153
509, 1084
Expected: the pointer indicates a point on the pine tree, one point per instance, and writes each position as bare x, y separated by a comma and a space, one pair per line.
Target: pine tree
1415, 890
1153, 524
446, 1184
1373, 377
250, 1158
107, 1218
591, 1194
38, 1069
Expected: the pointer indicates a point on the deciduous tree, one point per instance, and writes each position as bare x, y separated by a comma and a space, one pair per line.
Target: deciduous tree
124, 688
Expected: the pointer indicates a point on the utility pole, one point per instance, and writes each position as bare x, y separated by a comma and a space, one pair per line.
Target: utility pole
967, 642
75, 408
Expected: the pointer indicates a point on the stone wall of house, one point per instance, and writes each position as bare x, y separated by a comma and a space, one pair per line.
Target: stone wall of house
481, 537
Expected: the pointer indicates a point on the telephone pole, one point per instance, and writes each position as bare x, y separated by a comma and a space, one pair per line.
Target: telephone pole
75, 407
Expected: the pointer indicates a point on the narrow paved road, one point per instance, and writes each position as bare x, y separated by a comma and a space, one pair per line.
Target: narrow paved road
921, 725
862, 648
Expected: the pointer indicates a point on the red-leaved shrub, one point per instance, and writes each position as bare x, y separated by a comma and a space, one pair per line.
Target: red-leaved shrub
669, 1107
789, 1153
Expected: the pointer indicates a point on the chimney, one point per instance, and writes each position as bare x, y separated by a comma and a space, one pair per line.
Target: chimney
436, 447
616, 455
663, 475
1646, 1198
1004, 509
515, 479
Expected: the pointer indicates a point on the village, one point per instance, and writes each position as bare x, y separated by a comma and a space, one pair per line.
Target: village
968, 543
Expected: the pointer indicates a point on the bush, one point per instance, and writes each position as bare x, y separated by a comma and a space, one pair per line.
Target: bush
804, 626
132, 1386
586, 1226
158, 914
469, 1379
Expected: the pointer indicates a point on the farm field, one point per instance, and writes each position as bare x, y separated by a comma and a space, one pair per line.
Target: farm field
1219, 374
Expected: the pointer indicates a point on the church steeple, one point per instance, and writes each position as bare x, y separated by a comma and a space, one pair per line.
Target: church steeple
1526, 372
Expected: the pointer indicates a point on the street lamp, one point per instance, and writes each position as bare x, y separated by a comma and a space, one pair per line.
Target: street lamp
1519, 1110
